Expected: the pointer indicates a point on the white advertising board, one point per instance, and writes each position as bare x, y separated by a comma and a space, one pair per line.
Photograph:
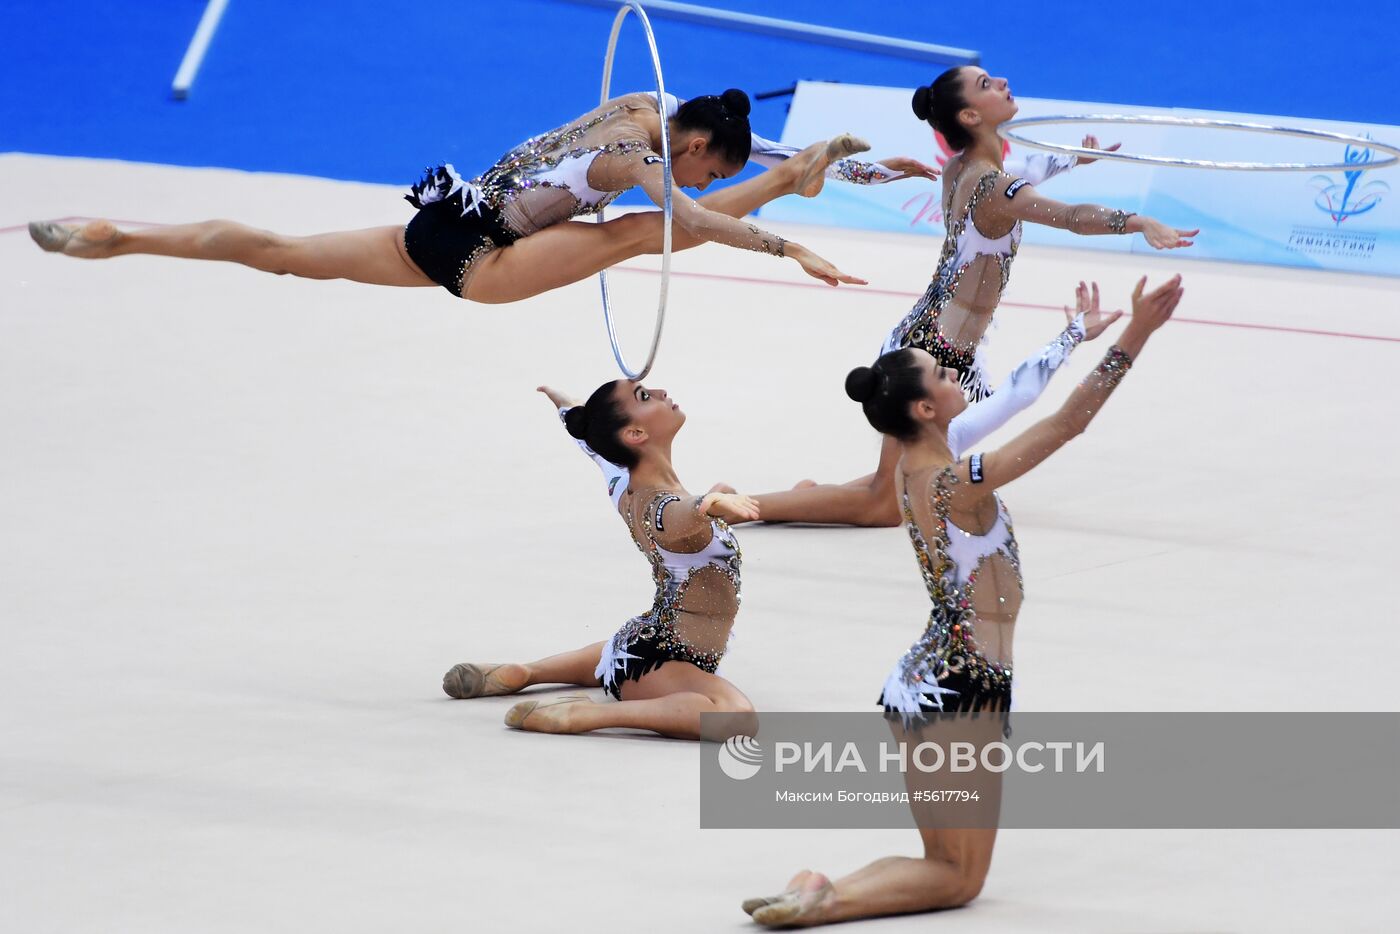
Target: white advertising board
1342, 220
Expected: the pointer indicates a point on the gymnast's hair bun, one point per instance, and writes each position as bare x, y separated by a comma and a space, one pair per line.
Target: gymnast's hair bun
862, 383
576, 422
921, 102
736, 102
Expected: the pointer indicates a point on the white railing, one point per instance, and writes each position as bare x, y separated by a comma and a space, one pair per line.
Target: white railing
199, 44
803, 32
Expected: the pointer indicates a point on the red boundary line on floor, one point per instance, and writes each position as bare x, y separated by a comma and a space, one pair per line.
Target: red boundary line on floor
866, 290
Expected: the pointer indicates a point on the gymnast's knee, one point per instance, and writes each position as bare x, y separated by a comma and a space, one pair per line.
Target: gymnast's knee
732, 702
641, 232
884, 518
883, 510
263, 249
733, 715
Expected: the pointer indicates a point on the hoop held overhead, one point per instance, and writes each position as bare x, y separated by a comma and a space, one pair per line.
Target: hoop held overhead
631, 6
1161, 120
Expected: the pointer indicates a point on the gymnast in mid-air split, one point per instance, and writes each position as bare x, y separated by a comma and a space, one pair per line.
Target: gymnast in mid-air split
960, 667
984, 207
503, 236
660, 665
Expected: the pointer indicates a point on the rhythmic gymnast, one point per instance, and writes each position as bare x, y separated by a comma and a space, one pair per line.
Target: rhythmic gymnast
984, 207
501, 236
962, 536
659, 665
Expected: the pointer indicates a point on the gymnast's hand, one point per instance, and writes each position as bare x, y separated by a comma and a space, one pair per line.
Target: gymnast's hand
1086, 303
560, 400
1154, 309
819, 268
912, 168
1159, 234
1092, 142
731, 507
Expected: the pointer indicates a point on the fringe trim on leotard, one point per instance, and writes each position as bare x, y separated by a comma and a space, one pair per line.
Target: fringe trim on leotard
613, 662
974, 380
616, 664
911, 699
441, 183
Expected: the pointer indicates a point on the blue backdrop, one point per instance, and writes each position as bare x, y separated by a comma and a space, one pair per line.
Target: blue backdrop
373, 90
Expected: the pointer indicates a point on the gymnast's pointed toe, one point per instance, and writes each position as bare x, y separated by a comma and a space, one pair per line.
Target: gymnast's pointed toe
93, 241
750, 905
550, 716
51, 236
800, 908
469, 680
815, 159
847, 144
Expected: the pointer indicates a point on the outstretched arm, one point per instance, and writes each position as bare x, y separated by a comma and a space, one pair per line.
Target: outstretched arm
1023, 385
562, 401
769, 153
614, 475
644, 169
1031, 447
1038, 167
1017, 199
682, 523
1015, 393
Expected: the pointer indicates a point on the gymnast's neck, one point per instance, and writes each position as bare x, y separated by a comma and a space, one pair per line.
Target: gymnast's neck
654, 470
986, 147
927, 449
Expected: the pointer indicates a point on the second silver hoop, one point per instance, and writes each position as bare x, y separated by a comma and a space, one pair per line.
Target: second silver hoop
631, 6
1392, 152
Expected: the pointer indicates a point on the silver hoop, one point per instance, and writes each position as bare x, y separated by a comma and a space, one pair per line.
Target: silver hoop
1360, 142
631, 6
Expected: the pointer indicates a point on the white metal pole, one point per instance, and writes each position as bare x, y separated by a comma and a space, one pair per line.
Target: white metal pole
803, 32
194, 55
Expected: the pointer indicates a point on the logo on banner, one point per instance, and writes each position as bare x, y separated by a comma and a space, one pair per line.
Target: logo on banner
1348, 198
1341, 200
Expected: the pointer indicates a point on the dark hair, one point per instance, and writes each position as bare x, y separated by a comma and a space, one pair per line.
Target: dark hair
885, 391
725, 117
597, 423
939, 103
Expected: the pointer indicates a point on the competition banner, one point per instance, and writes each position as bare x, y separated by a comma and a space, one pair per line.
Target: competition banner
1342, 220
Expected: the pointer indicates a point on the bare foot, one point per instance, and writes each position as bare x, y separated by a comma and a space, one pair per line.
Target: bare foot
803, 908
722, 488
91, 241
545, 716
804, 484
468, 680
753, 904
818, 156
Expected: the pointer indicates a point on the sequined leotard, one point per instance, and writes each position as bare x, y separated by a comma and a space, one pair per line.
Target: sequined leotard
697, 594
697, 584
542, 181
950, 318
969, 560
974, 582
560, 175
